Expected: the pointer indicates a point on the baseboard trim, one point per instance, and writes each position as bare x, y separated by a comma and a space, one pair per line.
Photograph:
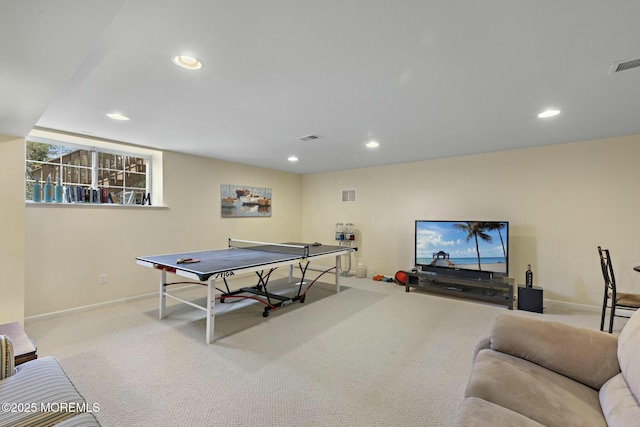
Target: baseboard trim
100, 304
129, 299
590, 308
571, 305
547, 302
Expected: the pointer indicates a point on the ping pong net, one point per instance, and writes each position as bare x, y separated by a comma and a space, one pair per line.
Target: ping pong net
282, 248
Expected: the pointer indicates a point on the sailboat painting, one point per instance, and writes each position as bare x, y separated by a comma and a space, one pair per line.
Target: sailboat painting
244, 201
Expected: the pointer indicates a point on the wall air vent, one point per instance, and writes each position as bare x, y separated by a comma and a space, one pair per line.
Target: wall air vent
624, 65
309, 137
349, 195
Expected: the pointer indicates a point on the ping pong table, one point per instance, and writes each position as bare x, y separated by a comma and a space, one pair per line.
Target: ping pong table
241, 257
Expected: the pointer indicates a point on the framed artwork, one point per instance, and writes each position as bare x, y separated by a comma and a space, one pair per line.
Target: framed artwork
244, 201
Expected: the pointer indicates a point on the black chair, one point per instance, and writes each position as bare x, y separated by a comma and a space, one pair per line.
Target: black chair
618, 299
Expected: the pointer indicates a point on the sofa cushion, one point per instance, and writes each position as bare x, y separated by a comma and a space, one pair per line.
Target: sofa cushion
476, 412
547, 397
628, 353
582, 354
43, 386
619, 406
6, 357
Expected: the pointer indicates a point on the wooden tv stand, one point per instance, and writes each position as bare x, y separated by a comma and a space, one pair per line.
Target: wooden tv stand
495, 291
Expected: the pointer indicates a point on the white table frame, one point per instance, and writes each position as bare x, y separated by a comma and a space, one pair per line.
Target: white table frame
211, 284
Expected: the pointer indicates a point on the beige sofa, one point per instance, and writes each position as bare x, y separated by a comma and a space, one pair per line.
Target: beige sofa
531, 372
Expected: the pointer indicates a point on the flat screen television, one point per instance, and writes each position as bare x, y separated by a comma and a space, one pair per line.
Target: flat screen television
466, 246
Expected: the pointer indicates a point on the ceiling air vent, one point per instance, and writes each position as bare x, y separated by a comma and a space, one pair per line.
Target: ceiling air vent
309, 137
624, 65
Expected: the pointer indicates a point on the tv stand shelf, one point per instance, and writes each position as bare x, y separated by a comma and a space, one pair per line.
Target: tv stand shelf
494, 291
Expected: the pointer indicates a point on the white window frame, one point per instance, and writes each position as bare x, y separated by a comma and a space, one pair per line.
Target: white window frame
153, 179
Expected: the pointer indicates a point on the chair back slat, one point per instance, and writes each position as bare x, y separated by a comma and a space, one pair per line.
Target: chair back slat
623, 300
607, 269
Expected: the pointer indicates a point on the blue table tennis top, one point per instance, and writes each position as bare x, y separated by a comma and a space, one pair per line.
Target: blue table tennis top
218, 261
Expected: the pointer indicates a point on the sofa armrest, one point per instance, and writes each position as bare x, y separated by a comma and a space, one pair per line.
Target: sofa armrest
582, 354
7, 366
484, 343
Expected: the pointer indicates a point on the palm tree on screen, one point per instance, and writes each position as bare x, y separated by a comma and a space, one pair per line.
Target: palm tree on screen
477, 230
498, 226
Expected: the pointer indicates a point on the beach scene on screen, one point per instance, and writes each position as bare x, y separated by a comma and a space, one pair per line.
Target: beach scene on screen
465, 245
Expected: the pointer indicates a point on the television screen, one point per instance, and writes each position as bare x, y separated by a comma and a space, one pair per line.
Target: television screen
463, 245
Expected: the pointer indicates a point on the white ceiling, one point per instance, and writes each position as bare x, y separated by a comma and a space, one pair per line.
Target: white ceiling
426, 79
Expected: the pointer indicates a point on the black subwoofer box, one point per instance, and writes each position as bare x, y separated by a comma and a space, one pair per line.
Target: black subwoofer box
530, 299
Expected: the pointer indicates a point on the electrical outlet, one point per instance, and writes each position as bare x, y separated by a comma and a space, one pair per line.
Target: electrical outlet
104, 279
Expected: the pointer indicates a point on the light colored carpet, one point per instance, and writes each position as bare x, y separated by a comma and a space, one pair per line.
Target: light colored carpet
371, 355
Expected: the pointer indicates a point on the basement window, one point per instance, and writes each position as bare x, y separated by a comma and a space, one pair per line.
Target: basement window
105, 173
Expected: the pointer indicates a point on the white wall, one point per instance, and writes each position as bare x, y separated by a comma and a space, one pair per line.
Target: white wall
70, 246
12, 229
562, 201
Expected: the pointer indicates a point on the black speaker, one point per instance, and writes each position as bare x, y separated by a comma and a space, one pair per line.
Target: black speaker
530, 299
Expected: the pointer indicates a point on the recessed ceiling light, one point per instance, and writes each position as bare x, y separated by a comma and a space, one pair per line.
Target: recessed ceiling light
292, 159
372, 144
188, 62
117, 116
548, 113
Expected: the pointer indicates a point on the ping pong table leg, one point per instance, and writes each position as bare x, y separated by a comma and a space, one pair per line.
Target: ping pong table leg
290, 273
163, 299
211, 302
338, 273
